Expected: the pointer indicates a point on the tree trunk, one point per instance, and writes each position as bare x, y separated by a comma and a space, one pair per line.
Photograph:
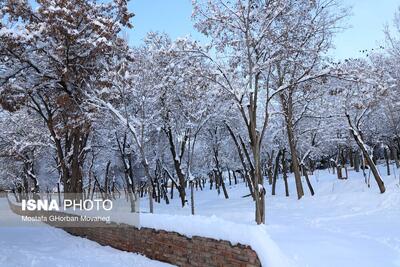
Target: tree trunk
339, 171
150, 191
284, 173
234, 177
351, 158
307, 179
357, 161
172, 190
106, 180
269, 169
338, 163
356, 135
295, 165
177, 165
395, 157
191, 197
76, 176
258, 180
242, 160
287, 105
218, 173
387, 159
223, 185
217, 181
275, 175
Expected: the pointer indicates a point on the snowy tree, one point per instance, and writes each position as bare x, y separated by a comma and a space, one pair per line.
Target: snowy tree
266, 48
360, 91
22, 146
51, 55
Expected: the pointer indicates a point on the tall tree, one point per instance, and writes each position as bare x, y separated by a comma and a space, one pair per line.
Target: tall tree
266, 48
51, 55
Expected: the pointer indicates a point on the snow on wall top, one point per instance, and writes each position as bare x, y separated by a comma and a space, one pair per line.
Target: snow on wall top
256, 236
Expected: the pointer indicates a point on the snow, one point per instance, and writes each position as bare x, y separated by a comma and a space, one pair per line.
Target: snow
42, 245
344, 224
217, 228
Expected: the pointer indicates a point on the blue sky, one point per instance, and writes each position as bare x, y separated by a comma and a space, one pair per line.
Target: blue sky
174, 17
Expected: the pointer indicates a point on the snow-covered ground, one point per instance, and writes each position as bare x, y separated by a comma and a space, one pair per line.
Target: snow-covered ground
344, 224
46, 246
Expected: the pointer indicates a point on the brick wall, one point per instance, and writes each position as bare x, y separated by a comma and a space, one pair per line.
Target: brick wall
162, 245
